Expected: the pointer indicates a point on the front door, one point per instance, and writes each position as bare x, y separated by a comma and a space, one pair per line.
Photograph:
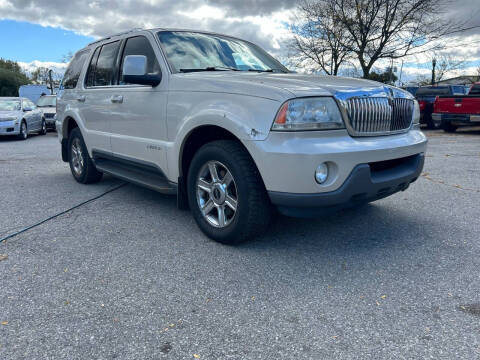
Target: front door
138, 111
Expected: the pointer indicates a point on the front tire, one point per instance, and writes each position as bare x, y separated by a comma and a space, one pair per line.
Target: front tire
81, 165
43, 130
23, 135
226, 193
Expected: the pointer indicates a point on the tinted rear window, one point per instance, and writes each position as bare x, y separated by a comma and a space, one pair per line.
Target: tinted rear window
70, 79
104, 69
433, 91
475, 90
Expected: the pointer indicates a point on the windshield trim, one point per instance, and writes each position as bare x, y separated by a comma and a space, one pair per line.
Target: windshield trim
227, 37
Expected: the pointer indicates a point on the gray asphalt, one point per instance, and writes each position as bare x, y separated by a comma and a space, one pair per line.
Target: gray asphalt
128, 276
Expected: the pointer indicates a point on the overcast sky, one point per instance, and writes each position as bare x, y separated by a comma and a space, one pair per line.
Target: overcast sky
264, 22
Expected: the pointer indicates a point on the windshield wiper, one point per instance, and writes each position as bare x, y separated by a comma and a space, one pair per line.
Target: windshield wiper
260, 70
210, 68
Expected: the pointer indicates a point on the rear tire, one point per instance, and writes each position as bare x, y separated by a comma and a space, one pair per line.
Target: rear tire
448, 127
247, 210
81, 165
433, 125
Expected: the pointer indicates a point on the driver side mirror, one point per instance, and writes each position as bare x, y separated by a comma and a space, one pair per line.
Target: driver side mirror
25, 109
135, 71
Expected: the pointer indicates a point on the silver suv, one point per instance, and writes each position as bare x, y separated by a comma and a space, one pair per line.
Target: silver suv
219, 122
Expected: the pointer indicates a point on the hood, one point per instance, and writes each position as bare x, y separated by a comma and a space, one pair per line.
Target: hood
7, 114
278, 86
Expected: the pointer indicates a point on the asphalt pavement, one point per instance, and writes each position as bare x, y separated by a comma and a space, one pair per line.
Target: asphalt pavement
128, 276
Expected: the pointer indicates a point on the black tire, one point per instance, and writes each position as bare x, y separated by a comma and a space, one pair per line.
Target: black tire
43, 130
432, 125
448, 127
254, 210
23, 135
87, 172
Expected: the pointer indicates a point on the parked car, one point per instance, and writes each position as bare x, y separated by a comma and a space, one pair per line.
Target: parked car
222, 124
426, 96
20, 116
48, 105
460, 110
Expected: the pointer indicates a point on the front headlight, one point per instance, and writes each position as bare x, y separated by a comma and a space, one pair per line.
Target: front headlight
319, 113
416, 112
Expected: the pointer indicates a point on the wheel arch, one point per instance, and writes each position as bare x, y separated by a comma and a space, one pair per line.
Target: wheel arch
195, 139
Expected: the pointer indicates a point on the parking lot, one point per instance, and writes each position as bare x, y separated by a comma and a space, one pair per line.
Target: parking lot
129, 276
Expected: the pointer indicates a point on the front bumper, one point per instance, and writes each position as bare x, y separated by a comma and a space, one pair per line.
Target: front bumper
457, 119
287, 161
9, 128
366, 183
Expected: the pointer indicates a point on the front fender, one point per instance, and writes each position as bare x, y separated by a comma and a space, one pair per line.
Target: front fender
246, 117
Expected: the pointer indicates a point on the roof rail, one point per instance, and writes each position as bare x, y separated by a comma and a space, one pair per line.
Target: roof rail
111, 36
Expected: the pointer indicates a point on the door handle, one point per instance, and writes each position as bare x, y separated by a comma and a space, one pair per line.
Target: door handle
117, 99
81, 98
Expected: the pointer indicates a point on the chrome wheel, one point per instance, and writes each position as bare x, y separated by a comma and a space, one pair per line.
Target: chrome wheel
77, 157
44, 127
216, 194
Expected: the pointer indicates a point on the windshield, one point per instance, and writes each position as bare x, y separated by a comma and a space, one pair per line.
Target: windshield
433, 91
47, 101
10, 105
189, 51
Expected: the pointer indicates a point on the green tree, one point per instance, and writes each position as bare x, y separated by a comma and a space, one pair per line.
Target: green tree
11, 78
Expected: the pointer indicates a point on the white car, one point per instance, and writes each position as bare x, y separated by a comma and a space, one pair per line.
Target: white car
48, 105
231, 131
20, 117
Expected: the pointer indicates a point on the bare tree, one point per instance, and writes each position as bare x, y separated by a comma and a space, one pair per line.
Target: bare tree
445, 64
373, 30
317, 41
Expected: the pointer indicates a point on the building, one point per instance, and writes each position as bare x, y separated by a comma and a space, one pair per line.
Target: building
460, 80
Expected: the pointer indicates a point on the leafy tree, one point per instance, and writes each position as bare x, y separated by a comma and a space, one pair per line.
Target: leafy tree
11, 78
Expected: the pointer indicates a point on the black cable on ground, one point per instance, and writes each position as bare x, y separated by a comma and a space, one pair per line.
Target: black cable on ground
61, 213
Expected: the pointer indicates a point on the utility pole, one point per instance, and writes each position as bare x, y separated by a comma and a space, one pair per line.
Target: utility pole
434, 65
51, 81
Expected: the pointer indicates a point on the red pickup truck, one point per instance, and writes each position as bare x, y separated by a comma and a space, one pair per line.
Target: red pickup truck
460, 110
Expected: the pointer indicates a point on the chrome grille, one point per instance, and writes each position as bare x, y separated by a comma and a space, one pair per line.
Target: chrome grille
378, 115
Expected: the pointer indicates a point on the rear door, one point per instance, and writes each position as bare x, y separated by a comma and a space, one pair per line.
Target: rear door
139, 126
97, 109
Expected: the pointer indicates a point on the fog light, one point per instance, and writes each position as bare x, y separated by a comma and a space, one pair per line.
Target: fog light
321, 173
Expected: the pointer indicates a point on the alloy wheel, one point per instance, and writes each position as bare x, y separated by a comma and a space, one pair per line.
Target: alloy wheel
216, 194
77, 157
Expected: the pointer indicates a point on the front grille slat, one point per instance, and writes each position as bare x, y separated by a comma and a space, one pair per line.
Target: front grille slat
378, 115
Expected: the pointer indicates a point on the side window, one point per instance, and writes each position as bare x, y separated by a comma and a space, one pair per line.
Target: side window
70, 79
139, 45
28, 104
91, 68
104, 69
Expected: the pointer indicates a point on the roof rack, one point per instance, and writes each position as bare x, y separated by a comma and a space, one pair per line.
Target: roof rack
114, 35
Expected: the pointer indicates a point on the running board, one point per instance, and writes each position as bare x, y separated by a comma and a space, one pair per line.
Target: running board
144, 175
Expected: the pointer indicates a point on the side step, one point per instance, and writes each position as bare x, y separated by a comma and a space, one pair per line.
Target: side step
144, 175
